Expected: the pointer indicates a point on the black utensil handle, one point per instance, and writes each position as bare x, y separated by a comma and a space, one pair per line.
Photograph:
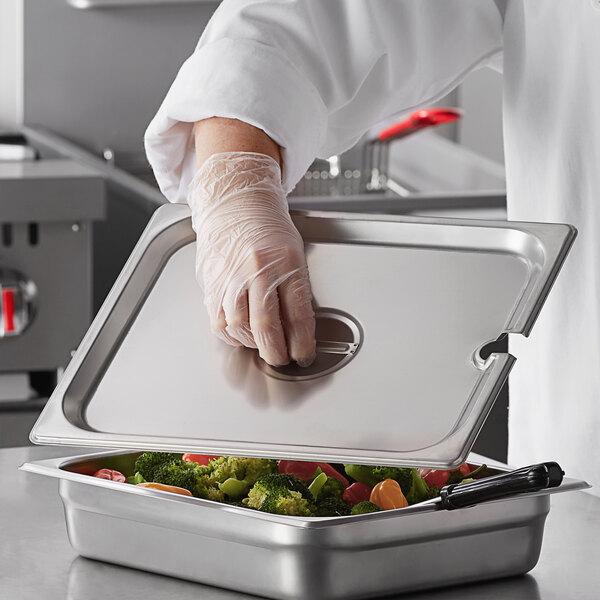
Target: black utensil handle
527, 479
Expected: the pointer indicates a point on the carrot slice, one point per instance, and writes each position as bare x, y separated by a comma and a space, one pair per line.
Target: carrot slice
165, 488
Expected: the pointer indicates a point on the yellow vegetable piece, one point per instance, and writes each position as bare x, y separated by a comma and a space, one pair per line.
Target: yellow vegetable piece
387, 494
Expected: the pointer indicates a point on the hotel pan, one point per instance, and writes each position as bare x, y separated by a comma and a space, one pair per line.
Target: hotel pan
294, 557
408, 311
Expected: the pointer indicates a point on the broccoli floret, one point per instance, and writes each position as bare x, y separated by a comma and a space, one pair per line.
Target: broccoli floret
373, 475
404, 477
236, 475
259, 467
275, 483
332, 488
182, 474
331, 507
413, 486
188, 475
214, 494
282, 494
204, 471
224, 476
362, 508
148, 463
287, 503
241, 468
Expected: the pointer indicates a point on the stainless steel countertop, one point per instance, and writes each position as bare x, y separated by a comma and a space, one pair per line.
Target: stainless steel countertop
36, 560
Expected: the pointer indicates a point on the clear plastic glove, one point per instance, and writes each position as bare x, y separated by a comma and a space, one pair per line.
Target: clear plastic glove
250, 258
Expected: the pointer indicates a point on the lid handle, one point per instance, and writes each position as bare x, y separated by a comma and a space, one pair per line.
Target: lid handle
527, 479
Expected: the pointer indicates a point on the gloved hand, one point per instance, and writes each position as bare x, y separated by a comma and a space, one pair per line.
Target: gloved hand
250, 258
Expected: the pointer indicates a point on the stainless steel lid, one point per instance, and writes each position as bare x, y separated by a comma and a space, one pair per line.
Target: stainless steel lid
404, 308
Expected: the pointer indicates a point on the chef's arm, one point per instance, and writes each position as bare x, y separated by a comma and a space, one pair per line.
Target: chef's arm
217, 135
316, 75
313, 76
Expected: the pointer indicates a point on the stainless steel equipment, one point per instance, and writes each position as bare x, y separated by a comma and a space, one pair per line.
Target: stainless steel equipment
437, 177
408, 305
293, 557
47, 208
97, 85
570, 546
17, 302
51, 196
333, 176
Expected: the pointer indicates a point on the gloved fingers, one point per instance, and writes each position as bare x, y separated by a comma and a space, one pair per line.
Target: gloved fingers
295, 299
235, 307
265, 321
218, 322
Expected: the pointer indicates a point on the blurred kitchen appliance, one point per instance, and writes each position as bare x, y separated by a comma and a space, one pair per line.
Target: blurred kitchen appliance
47, 208
335, 177
87, 77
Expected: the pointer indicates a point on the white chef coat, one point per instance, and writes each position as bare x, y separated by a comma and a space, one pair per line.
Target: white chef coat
315, 75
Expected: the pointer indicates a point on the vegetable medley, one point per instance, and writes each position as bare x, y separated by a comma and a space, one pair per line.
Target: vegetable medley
287, 487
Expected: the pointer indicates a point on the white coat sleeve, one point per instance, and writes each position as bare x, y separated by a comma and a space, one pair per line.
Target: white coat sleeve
316, 74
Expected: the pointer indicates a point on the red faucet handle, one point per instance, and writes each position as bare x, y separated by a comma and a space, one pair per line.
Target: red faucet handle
8, 310
420, 119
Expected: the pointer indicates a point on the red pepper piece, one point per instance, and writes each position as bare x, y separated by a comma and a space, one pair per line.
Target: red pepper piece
331, 472
111, 475
299, 468
357, 492
201, 459
306, 470
439, 478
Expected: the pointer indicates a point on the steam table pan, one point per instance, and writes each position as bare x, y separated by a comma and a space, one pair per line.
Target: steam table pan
406, 372
295, 558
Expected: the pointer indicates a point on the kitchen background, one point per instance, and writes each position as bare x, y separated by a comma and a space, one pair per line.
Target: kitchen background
79, 82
